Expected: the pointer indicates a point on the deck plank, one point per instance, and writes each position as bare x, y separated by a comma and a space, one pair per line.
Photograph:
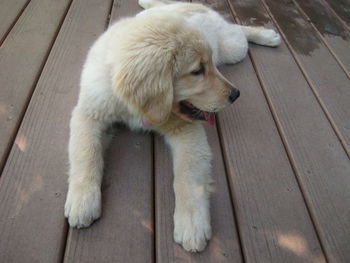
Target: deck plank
262, 180
326, 77
125, 233
224, 245
321, 164
23, 54
34, 181
332, 30
342, 9
9, 12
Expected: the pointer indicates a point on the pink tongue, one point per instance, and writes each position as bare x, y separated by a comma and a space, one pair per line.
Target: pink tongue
209, 117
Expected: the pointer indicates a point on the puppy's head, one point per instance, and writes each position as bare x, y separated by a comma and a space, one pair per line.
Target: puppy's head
164, 66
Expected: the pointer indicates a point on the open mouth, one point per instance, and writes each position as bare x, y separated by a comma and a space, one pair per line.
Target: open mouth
191, 111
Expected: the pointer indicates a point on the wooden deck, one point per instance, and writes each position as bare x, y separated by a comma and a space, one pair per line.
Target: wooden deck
281, 151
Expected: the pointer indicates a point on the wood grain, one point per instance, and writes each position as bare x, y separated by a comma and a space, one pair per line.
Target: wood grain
325, 76
336, 36
342, 9
321, 164
125, 233
9, 13
269, 204
34, 182
23, 54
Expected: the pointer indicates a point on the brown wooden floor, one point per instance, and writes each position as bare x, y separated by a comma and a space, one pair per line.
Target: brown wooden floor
281, 151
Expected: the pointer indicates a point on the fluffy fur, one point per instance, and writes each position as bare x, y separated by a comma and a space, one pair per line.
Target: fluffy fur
139, 72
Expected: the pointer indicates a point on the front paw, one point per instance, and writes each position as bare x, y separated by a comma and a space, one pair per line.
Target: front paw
192, 230
83, 205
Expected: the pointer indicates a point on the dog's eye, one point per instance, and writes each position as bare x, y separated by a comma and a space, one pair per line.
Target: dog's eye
200, 71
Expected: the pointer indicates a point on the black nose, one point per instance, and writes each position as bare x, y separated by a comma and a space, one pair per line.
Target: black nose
233, 95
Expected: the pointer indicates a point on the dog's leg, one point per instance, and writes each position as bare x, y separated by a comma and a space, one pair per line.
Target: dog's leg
83, 204
192, 185
152, 3
262, 36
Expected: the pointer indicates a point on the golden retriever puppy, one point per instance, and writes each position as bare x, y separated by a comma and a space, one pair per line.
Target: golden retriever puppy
156, 71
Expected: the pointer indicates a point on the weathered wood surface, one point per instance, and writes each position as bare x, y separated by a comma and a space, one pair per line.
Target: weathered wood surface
326, 78
318, 158
9, 12
23, 55
268, 202
342, 9
335, 34
34, 182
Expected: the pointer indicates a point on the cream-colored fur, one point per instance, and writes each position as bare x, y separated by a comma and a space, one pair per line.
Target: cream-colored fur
139, 72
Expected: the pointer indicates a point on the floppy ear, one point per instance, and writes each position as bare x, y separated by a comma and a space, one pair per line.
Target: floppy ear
143, 75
